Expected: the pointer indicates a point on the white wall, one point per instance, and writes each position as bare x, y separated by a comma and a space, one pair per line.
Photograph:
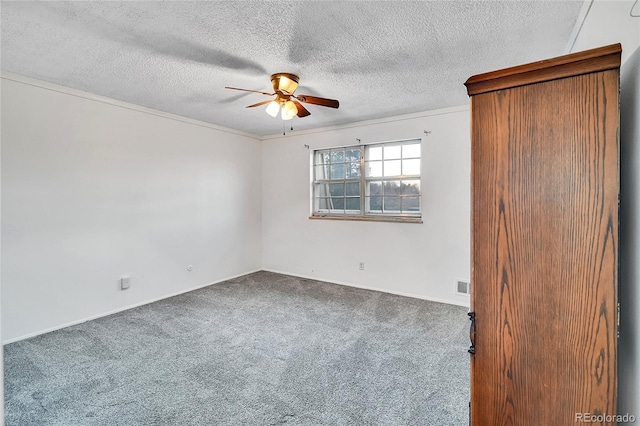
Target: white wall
629, 342
420, 260
1, 347
609, 22
94, 189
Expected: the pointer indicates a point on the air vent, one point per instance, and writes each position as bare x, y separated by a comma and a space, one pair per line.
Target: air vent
463, 287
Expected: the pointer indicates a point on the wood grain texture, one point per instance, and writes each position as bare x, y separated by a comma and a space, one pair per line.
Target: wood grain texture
594, 60
545, 185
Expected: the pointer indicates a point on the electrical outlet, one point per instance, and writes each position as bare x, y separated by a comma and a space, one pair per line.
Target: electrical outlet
362, 266
125, 283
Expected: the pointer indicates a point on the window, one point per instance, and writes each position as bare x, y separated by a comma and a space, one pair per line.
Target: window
378, 180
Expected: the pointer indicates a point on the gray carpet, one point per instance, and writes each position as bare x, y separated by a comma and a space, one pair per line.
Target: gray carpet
262, 349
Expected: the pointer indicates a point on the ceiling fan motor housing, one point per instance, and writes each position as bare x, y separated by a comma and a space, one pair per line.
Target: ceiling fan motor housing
284, 83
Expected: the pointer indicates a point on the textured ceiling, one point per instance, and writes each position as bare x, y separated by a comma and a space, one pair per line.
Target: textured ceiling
379, 58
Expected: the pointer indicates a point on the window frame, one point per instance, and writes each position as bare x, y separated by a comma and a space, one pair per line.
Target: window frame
364, 212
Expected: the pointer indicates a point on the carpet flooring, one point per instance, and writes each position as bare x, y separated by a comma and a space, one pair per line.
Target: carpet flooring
262, 349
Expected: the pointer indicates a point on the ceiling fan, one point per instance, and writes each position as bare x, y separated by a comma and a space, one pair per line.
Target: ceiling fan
285, 102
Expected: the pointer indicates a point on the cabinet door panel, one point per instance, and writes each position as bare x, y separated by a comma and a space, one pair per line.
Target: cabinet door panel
544, 247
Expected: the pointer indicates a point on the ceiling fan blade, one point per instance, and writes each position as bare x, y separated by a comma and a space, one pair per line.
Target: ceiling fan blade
302, 111
260, 103
332, 103
247, 90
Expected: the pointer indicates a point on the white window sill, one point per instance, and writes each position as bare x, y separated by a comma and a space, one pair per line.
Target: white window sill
370, 218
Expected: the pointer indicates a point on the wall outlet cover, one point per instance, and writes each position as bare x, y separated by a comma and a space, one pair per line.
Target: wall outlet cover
125, 283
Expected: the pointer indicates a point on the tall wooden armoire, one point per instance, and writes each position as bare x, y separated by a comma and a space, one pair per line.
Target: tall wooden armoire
545, 184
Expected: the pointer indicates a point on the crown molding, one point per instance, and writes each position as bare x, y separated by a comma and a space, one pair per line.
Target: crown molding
5, 75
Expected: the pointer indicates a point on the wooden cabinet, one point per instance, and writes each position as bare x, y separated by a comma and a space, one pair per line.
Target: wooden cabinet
545, 184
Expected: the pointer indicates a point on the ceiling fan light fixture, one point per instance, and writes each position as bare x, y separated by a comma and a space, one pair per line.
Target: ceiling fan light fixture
289, 110
285, 82
285, 102
273, 108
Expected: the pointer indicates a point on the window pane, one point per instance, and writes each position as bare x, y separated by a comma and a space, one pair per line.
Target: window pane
337, 189
411, 204
374, 204
322, 190
322, 204
374, 153
353, 170
353, 203
322, 157
391, 152
322, 172
392, 168
353, 188
412, 150
410, 167
391, 205
374, 188
337, 171
391, 179
374, 169
337, 156
410, 187
337, 203
392, 187
353, 155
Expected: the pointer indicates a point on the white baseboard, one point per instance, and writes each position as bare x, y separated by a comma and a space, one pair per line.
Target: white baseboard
397, 293
146, 302
115, 311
